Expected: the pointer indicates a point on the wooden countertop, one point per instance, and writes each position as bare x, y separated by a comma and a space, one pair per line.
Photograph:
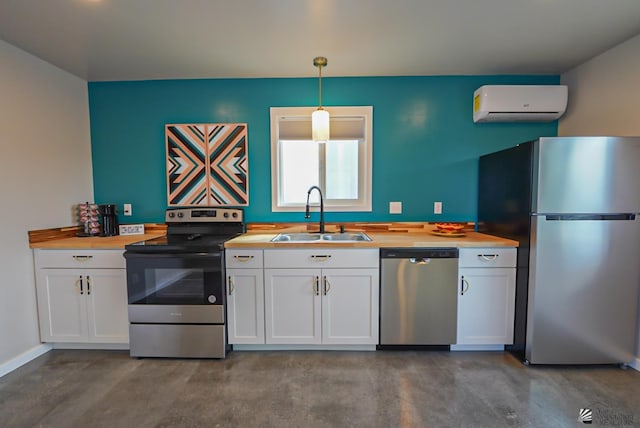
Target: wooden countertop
379, 240
97, 242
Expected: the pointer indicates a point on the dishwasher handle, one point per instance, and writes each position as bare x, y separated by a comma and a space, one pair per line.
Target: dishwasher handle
418, 253
419, 261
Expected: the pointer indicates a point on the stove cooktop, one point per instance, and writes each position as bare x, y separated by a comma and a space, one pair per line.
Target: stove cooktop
194, 230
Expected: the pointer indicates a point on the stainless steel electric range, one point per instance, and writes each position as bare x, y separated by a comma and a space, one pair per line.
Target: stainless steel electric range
176, 287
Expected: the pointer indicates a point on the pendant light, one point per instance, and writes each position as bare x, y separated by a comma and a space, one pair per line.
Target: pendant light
320, 117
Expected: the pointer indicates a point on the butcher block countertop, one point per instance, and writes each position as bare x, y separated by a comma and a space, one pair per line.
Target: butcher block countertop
65, 238
259, 236
379, 240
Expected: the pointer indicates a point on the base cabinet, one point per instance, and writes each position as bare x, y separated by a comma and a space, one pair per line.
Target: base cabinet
321, 306
81, 305
245, 306
486, 297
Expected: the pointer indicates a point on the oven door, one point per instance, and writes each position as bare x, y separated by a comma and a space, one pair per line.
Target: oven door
175, 279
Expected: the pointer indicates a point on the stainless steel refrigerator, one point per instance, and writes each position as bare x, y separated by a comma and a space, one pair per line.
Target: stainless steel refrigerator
573, 203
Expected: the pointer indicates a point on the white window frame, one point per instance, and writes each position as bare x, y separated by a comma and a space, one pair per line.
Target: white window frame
364, 202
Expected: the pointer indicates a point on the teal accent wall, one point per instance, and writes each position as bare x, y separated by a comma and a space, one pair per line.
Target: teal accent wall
425, 144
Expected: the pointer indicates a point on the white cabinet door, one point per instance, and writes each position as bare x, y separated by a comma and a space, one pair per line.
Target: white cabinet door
486, 299
292, 306
106, 297
62, 308
350, 306
245, 306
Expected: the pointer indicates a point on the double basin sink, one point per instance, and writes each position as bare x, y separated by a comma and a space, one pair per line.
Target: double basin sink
321, 237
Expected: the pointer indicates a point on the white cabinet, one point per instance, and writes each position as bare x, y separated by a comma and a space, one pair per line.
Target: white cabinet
321, 296
486, 296
82, 296
245, 297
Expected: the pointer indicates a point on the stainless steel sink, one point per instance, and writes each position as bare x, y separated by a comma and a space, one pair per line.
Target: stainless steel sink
345, 237
319, 237
297, 237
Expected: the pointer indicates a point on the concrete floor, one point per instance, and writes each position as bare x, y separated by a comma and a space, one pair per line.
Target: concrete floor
66, 388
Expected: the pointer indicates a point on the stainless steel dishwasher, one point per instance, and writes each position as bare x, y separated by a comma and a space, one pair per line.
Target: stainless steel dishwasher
418, 296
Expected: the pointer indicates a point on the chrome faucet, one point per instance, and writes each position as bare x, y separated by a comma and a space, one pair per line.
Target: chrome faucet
307, 215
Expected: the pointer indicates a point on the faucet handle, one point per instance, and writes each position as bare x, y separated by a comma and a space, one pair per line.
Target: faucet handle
342, 228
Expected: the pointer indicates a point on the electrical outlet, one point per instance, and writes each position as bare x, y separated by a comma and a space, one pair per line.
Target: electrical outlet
437, 207
127, 209
395, 207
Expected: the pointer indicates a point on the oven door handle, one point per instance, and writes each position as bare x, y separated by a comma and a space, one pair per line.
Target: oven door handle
192, 256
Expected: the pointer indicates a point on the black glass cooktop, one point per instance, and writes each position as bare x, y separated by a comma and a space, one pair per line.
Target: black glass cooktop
193, 243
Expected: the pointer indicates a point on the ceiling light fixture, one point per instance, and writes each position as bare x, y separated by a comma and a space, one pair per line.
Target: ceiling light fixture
320, 117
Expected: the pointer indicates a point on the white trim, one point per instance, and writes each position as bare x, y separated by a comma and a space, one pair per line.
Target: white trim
304, 347
635, 364
24, 358
102, 346
366, 171
477, 347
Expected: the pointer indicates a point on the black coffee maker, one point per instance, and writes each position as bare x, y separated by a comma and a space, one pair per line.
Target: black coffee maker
109, 214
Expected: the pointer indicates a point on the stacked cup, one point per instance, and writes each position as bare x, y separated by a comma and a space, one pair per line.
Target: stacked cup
88, 216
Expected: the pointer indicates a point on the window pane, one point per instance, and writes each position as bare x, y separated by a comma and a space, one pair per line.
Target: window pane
299, 170
341, 166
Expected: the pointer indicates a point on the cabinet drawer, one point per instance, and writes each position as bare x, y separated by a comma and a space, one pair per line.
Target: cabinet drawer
321, 258
243, 259
487, 257
110, 259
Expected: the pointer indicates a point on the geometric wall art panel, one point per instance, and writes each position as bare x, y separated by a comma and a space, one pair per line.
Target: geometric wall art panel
207, 164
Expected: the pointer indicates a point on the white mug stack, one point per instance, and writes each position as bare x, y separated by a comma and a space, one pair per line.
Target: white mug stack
88, 216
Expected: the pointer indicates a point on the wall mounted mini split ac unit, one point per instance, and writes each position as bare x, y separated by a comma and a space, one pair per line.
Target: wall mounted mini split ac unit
516, 103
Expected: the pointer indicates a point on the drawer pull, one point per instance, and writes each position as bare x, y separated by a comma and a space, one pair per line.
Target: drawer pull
316, 286
243, 258
88, 285
327, 285
82, 258
321, 258
488, 257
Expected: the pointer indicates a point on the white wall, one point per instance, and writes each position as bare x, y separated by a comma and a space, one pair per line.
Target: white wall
45, 168
604, 99
604, 94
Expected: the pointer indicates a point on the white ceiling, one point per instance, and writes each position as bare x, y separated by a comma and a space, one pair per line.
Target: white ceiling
164, 39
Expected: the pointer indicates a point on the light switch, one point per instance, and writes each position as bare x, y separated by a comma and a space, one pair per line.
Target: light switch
437, 207
395, 207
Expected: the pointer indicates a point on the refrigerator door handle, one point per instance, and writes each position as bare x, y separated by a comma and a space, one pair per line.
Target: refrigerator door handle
583, 217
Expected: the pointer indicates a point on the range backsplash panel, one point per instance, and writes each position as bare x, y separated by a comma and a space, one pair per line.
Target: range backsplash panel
207, 164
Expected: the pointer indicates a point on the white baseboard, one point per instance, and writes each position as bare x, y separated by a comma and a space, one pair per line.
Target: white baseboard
238, 347
635, 364
477, 347
100, 346
24, 358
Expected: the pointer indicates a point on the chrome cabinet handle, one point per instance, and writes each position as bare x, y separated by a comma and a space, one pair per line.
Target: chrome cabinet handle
320, 258
88, 285
243, 259
232, 286
463, 282
316, 286
81, 286
78, 284
488, 257
327, 285
413, 260
82, 258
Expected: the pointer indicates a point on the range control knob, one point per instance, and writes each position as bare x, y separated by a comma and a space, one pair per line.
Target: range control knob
172, 214
226, 215
234, 215
180, 215
211, 298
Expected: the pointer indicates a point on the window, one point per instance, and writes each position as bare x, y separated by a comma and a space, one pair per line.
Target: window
341, 167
